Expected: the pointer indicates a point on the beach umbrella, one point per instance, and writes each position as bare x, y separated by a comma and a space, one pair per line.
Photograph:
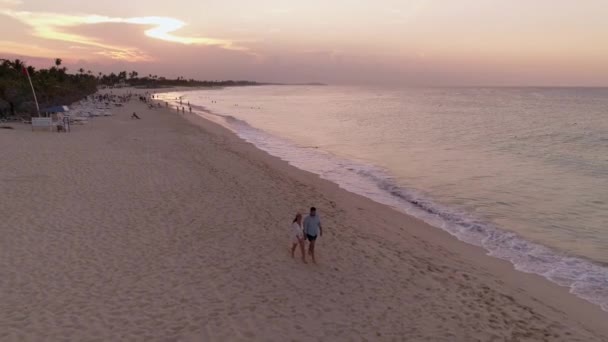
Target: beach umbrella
59, 109
56, 109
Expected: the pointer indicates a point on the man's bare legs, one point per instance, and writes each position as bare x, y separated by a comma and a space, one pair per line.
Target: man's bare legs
311, 251
302, 250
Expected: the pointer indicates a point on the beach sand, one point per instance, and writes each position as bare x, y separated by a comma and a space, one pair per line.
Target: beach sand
170, 228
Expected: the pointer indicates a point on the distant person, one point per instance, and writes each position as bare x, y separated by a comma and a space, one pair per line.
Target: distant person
312, 230
134, 116
297, 235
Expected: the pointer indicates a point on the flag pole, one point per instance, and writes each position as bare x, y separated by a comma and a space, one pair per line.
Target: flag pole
33, 92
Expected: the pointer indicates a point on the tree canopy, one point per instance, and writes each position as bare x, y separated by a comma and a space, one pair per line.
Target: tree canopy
54, 86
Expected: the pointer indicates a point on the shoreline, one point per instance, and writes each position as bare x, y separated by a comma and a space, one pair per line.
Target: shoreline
420, 227
451, 226
178, 229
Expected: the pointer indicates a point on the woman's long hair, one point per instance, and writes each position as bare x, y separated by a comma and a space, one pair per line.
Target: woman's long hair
296, 218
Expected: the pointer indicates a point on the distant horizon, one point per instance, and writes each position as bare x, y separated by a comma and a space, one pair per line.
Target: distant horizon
47, 62
395, 42
42, 63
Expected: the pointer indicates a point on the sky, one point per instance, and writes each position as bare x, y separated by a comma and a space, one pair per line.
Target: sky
405, 42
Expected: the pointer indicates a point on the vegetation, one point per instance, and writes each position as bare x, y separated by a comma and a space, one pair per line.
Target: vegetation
154, 81
55, 86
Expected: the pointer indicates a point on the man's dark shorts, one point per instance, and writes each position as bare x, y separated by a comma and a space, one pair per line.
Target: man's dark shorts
311, 237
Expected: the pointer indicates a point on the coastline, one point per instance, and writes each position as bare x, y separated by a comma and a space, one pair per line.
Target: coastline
535, 284
419, 228
195, 247
582, 274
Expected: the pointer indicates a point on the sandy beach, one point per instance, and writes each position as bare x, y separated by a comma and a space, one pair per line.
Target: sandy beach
171, 228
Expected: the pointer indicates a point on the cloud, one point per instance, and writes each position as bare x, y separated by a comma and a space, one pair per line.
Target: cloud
11, 2
279, 11
24, 49
408, 10
53, 26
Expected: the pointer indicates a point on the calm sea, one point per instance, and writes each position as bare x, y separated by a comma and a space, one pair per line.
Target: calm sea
522, 172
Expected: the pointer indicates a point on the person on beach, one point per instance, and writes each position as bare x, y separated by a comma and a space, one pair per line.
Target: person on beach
297, 235
312, 229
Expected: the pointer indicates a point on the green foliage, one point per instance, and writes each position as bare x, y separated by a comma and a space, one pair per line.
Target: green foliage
154, 81
54, 86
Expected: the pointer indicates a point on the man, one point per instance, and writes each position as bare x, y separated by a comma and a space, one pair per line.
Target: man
312, 229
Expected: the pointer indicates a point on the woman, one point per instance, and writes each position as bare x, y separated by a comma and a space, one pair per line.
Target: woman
297, 234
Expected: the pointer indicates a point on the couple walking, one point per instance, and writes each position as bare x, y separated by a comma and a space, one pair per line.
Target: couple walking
307, 231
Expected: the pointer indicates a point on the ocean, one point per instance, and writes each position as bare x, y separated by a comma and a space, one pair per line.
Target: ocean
521, 172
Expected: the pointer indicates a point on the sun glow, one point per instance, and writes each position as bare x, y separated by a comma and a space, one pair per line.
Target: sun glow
53, 27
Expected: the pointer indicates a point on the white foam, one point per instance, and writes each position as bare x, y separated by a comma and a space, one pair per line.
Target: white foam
585, 278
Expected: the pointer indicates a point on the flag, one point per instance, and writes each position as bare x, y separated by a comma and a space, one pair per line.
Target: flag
26, 73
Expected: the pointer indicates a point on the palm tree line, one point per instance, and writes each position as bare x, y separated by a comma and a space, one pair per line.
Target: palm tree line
55, 86
154, 81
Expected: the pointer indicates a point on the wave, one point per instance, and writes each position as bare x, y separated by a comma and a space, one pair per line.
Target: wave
585, 278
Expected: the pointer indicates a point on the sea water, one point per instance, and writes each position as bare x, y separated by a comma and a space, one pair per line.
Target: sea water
521, 172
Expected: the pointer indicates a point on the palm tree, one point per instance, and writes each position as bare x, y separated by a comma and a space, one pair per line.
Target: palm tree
18, 65
53, 85
81, 70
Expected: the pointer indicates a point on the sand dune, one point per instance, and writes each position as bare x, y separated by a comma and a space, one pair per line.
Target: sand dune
164, 230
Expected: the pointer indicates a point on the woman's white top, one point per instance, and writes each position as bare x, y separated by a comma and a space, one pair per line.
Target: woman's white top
296, 230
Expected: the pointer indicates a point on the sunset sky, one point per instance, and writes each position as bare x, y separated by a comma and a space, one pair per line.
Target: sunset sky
410, 42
